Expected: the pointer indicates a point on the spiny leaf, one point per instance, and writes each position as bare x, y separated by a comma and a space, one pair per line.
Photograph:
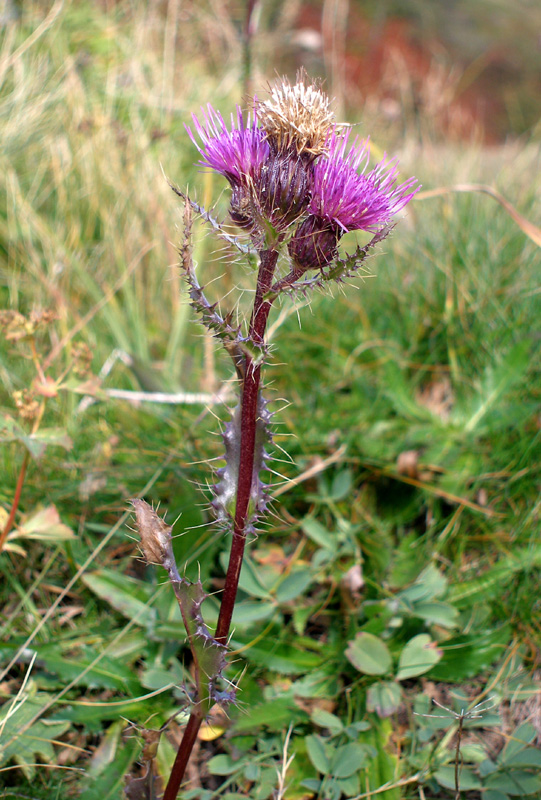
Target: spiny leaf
207, 216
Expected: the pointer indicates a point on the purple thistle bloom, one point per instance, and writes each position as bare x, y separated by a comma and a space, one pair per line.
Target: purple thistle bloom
239, 153
352, 200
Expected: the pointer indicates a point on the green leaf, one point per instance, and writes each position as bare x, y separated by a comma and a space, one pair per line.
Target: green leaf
35, 443
383, 765
105, 752
43, 524
520, 738
515, 782
384, 697
468, 780
324, 719
301, 615
317, 753
494, 794
313, 784
405, 566
428, 585
437, 613
341, 485
294, 585
37, 739
490, 583
252, 771
249, 581
369, 654
285, 658
320, 682
249, 611
111, 783
159, 675
497, 381
350, 787
275, 714
529, 757
469, 654
348, 760
227, 796
433, 582
418, 656
91, 714
107, 673
318, 534
127, 595
223, 765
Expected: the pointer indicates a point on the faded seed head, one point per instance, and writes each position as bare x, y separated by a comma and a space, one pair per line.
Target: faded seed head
155, 534
297, 117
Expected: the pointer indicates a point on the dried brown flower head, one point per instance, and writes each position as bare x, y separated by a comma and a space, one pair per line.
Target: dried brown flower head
81, 355
297, 117
27, 403
16, 326
43, 316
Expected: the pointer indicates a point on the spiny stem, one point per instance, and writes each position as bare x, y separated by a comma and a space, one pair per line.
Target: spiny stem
249, 411
249, 408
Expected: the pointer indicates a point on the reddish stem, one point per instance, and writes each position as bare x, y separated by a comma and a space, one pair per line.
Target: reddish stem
183, 755
16, 499
249, 401
250, 396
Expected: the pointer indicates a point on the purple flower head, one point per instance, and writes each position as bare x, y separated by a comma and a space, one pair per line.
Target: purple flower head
237, 153
351, 200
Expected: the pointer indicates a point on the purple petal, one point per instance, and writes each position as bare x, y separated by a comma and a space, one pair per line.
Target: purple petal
237, 152
354, 200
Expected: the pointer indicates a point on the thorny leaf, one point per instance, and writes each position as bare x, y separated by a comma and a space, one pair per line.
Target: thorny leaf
208, 654
231, 338
207, 216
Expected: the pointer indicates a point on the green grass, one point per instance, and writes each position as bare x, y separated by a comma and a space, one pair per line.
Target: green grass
435, 353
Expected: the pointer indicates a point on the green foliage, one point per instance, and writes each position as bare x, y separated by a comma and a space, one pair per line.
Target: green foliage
24, 735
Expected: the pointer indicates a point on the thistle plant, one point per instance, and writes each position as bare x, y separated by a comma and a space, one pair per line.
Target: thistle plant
298, 183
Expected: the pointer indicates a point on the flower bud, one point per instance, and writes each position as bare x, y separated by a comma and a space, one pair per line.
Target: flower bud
315, 243
284, 188
155, 534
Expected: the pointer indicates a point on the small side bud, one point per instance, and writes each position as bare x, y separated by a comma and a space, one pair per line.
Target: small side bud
314, 245
155, 534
